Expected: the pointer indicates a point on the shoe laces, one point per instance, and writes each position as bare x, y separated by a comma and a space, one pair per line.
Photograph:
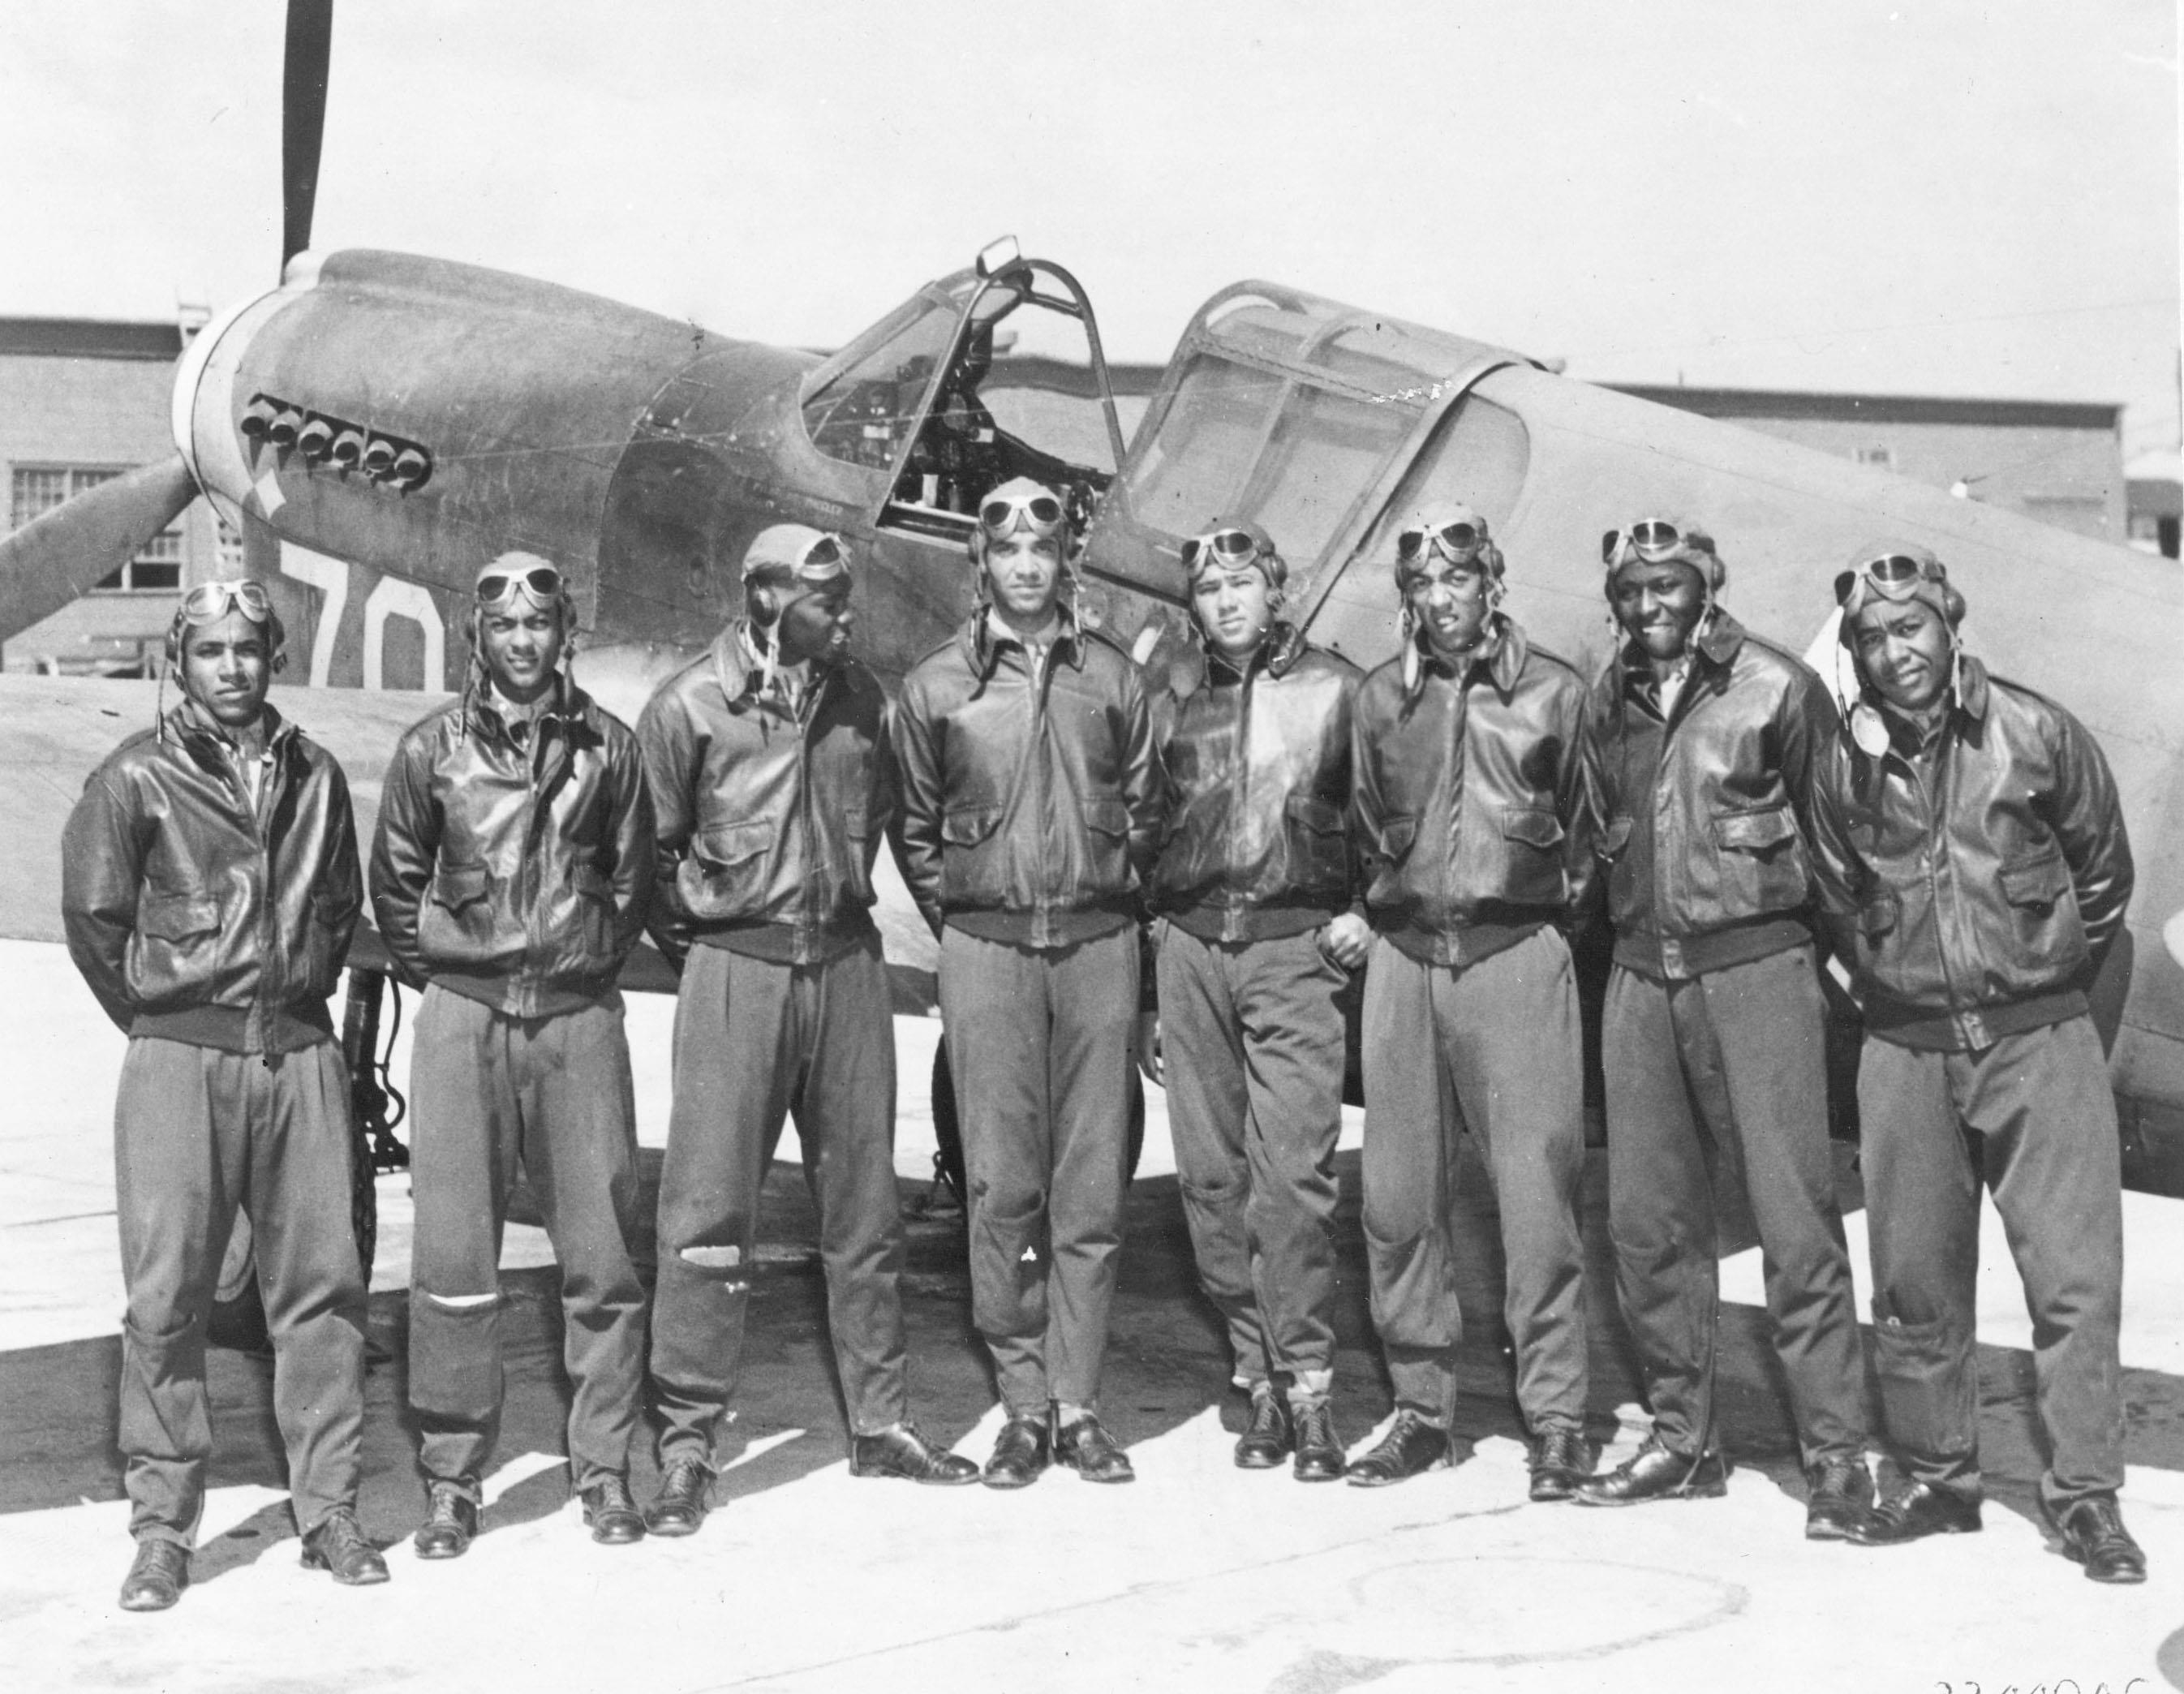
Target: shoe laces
1835, 1475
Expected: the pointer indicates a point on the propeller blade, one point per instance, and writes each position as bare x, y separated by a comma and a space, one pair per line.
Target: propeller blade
303, 119
49, 561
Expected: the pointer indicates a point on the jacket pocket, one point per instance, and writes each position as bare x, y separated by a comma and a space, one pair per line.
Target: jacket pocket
177, 919
1318, 848
595, 911
1533, 837
725, 875
966, 825
455, 925
321, 968
1107, 827
1881, 913
2043, 908
1763, 864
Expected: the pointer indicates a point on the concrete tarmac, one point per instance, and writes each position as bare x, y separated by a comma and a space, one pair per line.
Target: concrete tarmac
1198, 1575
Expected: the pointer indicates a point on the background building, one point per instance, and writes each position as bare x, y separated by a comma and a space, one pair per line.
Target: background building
82, 400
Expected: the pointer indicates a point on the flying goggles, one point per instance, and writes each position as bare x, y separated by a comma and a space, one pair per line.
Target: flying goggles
542, 583
1892, 577
1651, 539
1003, 515
1460, 542
208, 602
1229, 545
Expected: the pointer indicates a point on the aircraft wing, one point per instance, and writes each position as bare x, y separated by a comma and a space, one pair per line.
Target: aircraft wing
60, 728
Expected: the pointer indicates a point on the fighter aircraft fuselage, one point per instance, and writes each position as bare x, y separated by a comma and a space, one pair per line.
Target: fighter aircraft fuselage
383, 424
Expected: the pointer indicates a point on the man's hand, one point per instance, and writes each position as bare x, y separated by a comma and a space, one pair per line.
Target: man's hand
1346, 940
1149, 1047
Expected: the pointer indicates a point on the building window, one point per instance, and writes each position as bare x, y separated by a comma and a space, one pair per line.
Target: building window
157, 569
1880, 458
230, 546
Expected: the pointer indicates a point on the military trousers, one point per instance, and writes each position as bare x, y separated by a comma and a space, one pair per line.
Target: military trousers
198, 1133
1039, 1040
757, 1041
491, 1092
1251, 1047
1735, 1059
2032, 1117
1494, 1047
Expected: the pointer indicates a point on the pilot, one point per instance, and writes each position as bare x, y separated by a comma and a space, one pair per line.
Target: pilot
1030, 814
1469, 808
1701, 739
209, 890
1259, 933
1973, 871
771, 787
509, 875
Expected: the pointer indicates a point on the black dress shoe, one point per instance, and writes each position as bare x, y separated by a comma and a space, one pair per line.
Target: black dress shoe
1019, 1453
337, 1543
1842, 1494
1562, 1458
1086, 1448
615, 1520
679, 1507
1918, 1511
2094, 1535
1265, 1442
1654, 1473
1318, 1448
902, 1451
1411, 1447
157, 1576
451, 1520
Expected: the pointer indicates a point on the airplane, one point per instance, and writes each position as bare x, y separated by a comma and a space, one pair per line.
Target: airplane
380, 424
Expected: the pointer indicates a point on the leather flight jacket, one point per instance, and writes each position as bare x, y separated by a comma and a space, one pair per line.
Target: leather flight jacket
1972, 881
1256, 843
1030, 794
1700, 812
768, 817
197, 915
514, 872
1469, 800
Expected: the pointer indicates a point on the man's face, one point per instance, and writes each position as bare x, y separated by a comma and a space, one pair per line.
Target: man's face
1903, 648
1659, 605
816, 620
1235, 608
522, 642
1451, 603
227, 666
1023, 572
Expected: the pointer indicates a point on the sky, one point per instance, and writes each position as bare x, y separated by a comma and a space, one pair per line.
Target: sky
1946, 199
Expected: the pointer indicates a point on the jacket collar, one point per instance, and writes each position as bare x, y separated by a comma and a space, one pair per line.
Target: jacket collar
1277, 656
201, 734
1501, 655
740, 680
1716, 644
568, 705
981, 651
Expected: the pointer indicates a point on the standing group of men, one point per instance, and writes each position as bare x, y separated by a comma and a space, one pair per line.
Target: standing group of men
1451, 818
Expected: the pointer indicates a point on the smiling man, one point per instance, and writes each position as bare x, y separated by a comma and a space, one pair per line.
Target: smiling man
1470, 811
1975, 870
209, 887
1701, 738
510, 875
1260, 933
771, 787
1031, 799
